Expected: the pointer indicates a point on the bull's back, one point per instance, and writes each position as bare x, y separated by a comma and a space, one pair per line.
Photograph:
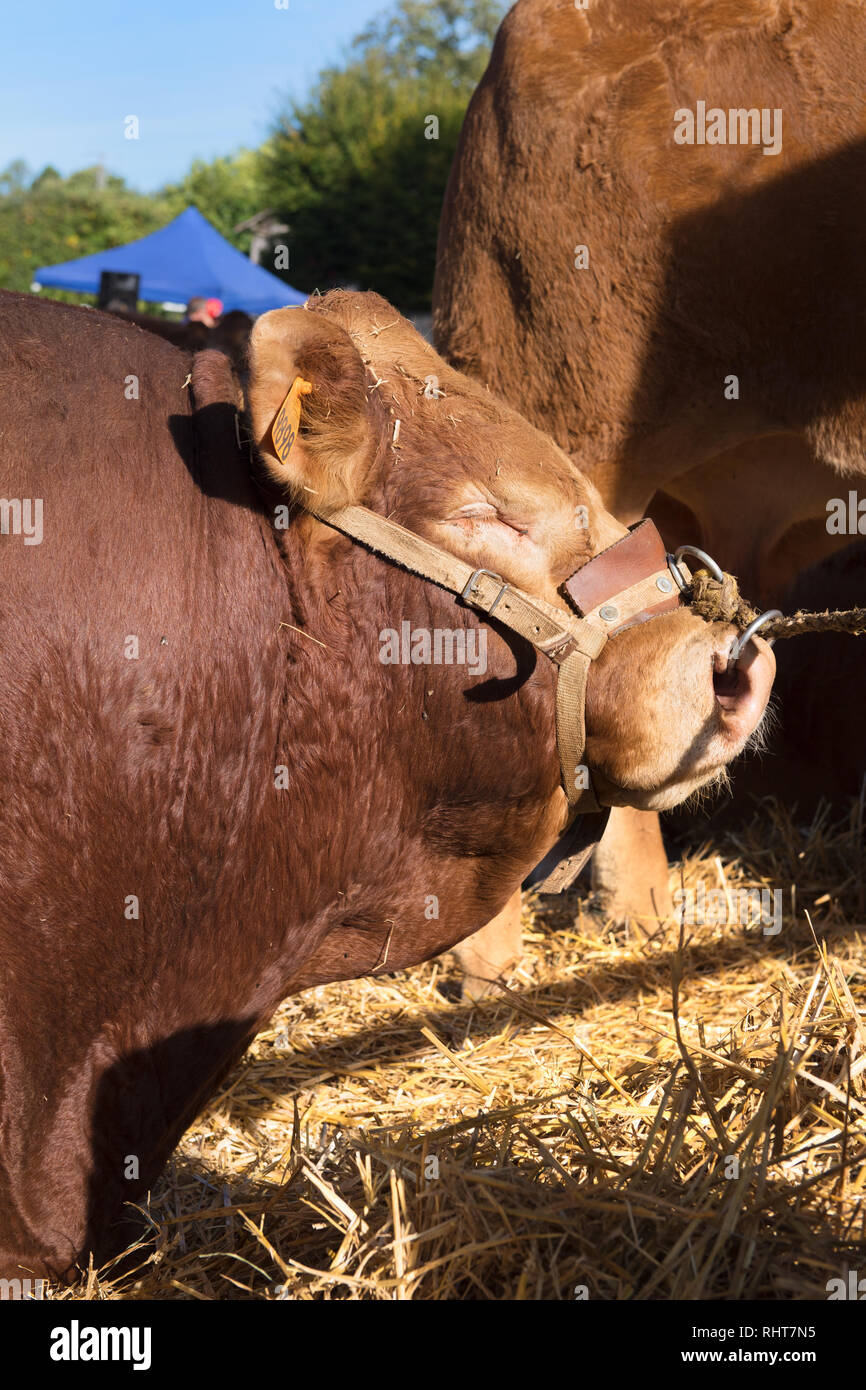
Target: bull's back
138, 618
703, 260
95, 422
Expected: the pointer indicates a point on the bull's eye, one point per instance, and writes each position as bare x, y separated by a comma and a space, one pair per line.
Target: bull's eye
485, 511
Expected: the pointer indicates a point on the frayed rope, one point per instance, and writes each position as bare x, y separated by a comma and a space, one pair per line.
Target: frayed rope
723, 603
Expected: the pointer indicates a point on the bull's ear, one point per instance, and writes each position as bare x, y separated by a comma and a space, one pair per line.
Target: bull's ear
307, 397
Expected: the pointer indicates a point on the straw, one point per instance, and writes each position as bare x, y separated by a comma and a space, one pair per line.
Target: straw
679, 1115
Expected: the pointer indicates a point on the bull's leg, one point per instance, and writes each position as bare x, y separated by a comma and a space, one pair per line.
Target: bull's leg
491, 952
630, 868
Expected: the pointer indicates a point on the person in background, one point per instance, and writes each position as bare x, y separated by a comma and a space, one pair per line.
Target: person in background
206, 311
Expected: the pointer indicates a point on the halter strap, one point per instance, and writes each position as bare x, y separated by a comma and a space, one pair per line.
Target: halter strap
633, 571
569, 641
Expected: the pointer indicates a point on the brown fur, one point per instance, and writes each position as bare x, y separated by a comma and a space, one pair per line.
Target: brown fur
704, 261
149, 779
230, 335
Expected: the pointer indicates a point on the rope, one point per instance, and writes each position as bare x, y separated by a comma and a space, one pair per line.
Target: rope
723, 603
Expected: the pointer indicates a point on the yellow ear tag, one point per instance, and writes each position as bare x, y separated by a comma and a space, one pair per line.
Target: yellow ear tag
284, 430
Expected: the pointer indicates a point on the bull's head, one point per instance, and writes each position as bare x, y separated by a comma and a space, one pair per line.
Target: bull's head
389, 425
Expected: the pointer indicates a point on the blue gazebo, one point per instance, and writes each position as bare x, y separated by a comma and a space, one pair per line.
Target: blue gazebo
184, 259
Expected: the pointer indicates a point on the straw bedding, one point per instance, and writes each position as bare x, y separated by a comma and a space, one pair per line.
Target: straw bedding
670, 1115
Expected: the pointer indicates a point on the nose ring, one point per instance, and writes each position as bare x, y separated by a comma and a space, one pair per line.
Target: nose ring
745, 637
673, 563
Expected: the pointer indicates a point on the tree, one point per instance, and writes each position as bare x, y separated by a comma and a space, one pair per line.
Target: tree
359, 170
227, 191
14, 177
49, 175
446, 40
53, 219
48, 219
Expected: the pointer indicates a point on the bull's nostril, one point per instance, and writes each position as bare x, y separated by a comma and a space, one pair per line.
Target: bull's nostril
728, 684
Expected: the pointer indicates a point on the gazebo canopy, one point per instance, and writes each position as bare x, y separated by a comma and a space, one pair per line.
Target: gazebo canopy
184, 259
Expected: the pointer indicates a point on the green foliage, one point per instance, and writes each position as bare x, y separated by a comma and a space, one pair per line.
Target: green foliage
354, 171
447, 41
50, 219
227, 192
14, 177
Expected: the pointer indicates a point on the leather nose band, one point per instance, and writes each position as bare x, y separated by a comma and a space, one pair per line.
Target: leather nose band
628, 583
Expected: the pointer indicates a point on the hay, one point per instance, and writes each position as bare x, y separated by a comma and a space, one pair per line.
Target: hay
675, 1115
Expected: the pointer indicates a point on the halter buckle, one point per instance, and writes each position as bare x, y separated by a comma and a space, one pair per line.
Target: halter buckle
471, 584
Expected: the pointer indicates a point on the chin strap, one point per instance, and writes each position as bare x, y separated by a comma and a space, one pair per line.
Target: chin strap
569, 641
564, 861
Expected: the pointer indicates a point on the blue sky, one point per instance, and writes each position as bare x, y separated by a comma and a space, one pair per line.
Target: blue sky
203, 76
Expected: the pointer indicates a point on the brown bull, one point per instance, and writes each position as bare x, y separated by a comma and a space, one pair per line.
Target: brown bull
216, 790
652, 244
230, 335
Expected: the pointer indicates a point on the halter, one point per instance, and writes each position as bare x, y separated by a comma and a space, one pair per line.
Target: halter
628, 583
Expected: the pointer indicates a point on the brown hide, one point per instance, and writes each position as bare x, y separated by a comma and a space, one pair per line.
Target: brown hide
704, 261
215, 792
230, 335
153, 777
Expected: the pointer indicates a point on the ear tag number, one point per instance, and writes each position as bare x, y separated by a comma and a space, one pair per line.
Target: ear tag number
284, 430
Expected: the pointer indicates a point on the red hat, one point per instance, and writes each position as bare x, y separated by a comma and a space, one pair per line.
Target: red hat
214, 307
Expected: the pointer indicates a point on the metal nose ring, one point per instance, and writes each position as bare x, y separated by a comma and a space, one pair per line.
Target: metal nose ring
673, 564
740, 644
